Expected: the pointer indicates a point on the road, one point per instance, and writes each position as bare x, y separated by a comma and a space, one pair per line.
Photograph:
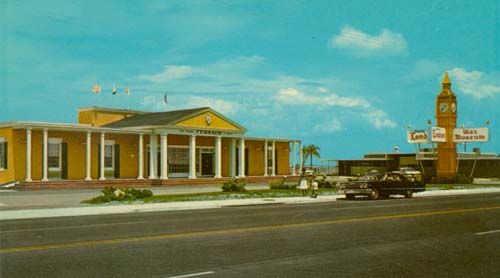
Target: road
447, 236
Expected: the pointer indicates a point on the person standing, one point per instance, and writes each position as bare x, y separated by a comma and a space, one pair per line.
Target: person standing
314, 187
303, 185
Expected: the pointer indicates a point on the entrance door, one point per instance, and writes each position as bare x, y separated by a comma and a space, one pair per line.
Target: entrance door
207, 164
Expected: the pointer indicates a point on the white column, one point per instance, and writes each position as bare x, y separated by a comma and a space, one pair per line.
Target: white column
192, 157
163, 161
101, 158
265, 159
274, 159
152, 156
232, 158
294, 171
45, 155
300, 158
28, 154
218, 157
141, 157
242, 158
87, 157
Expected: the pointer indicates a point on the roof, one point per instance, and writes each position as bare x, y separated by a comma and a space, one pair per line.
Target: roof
112, 110
156, 118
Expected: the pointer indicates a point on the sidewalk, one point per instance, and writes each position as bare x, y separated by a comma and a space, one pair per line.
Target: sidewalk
83, 209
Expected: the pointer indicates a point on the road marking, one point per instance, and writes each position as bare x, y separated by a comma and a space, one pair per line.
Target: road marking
489, 232
73, 227
192, 274
238, 230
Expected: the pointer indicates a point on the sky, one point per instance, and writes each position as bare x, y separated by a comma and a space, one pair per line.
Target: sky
347, 76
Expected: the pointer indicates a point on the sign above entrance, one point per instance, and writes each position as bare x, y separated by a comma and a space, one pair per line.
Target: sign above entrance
416, 136
438, 134
464, 135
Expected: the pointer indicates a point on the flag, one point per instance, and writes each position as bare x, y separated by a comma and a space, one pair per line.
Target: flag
114, 90
97, 88
165, 98
127, 91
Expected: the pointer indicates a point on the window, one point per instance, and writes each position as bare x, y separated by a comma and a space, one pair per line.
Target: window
178, 159
270, 159
109, 155
54, 154
3, 154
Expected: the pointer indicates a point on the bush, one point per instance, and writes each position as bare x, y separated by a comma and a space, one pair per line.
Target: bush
326, 184
457, 179
281, 185
233, 186
126, 194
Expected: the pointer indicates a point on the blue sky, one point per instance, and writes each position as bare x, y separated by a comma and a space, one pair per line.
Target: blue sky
347, 76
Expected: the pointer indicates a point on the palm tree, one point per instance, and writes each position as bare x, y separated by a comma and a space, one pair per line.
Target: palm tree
308, 152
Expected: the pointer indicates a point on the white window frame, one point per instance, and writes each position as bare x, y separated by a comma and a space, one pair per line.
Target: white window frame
2, 141
112, 144
55, 141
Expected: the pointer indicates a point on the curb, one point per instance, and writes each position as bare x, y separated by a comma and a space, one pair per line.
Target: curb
195, 205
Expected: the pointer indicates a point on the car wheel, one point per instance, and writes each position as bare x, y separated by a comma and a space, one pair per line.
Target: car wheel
409, 193
374, 195
349, 196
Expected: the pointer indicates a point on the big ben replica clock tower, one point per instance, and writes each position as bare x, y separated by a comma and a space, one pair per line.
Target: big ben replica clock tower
446, 117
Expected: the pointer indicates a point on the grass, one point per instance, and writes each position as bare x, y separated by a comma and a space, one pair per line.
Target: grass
261, 194
431, 187
250, 194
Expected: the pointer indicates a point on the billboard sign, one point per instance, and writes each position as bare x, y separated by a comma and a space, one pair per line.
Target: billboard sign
416, 136
438, 134
465, 135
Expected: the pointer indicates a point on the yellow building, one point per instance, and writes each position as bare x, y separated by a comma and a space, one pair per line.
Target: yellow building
151, 147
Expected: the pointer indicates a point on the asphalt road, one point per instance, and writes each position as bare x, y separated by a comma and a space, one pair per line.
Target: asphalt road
447, 236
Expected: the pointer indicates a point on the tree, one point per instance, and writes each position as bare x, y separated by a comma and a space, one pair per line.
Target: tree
308, 152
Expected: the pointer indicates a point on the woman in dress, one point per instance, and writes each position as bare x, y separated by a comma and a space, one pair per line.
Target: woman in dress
303, 186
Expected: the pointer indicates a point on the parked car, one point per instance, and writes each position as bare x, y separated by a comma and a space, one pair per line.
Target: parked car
376, 185
411, 173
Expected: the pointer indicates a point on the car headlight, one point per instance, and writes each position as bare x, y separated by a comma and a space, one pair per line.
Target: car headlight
364, 186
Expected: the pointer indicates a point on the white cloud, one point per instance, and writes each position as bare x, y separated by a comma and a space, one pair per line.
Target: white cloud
365, 45
169, 72
474, 83
153, 103
328, 127
223, 106
293, 96
379, 119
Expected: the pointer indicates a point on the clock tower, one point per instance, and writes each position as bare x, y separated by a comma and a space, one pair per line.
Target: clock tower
446, 117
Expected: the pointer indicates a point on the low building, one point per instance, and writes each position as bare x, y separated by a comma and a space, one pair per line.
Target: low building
115, 144
475, 164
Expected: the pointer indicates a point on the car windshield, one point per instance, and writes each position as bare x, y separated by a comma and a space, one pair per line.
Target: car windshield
370, 177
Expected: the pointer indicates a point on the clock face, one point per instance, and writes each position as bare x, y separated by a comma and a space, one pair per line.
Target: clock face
453, 107
443, 107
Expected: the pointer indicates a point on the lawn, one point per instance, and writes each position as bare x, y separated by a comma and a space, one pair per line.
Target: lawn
250, 194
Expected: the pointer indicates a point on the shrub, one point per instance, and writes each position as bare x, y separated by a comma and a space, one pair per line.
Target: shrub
127, 194
281, 185
457, 179
326, 184
233, 186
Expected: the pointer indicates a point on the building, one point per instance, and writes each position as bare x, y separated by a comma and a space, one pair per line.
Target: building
474, 164
143, 148
446, 118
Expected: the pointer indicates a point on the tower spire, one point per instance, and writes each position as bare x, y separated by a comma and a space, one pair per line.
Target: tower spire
446, 84
446, 80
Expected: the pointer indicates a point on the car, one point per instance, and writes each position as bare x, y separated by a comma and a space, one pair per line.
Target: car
376, 185
410, 173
